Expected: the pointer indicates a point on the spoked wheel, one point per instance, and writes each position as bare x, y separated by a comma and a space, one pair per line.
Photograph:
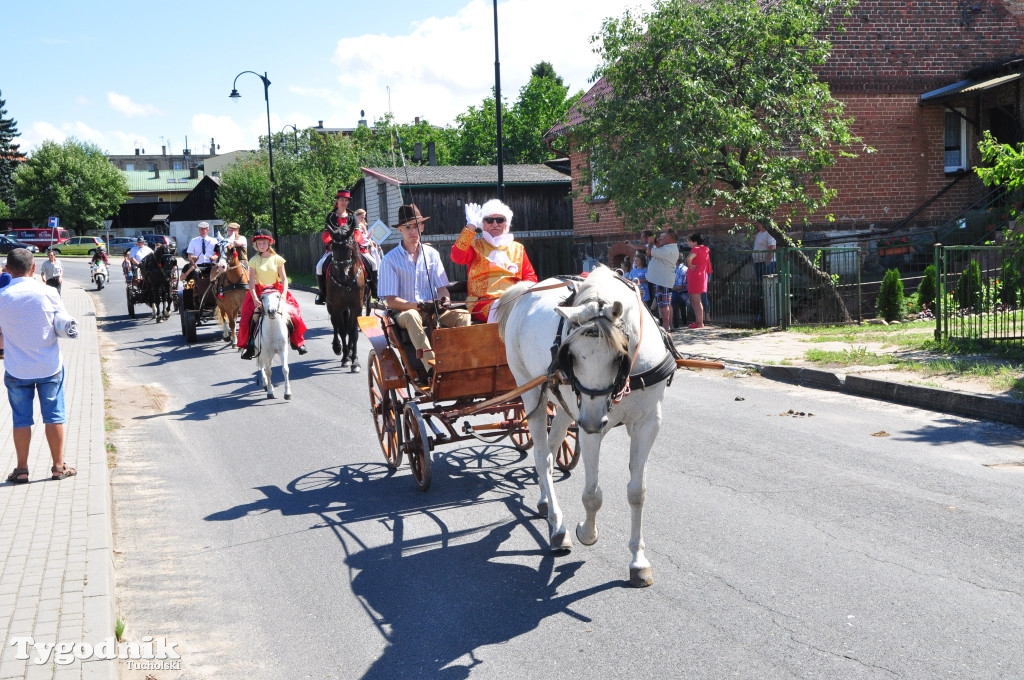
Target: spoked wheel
568, 454
521, 439
384, 408
131, 303
414, 435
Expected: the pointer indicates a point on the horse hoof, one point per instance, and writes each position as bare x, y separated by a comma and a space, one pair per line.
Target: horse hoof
270, 396
561, 543
542, 509
287, 397
640, 578
337, 350
579, 528
344, 363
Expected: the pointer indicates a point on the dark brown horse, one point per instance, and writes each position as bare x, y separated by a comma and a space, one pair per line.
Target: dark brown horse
159, 275
346, 288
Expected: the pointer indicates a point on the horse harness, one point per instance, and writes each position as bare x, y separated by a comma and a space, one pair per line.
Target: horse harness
355, 260
560, 370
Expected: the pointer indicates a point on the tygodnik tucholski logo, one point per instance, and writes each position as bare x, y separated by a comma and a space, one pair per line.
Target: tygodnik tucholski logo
151, 654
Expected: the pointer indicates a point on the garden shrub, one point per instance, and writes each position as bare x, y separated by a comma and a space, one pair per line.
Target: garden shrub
890, 297
1013, 283
926, 291
968, 288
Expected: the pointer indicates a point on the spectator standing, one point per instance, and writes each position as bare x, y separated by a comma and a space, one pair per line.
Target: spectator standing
764, 252
638, 275
52, 271
679, 294
663, 253
35, 363
698, 264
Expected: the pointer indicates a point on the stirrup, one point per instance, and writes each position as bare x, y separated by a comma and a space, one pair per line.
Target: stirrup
250, 352
319, 300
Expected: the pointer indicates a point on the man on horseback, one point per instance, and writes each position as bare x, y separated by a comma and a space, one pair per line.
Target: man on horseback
339, 226
409, 294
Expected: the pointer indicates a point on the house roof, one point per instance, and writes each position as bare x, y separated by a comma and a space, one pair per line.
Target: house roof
463, 175
143, 181
977, 80
575, 115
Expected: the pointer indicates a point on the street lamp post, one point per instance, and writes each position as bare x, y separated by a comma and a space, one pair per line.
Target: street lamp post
270, 139
295, 135
497, 106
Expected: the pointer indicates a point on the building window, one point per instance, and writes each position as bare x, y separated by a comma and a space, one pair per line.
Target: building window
177, 166
130, 167
597, 187
151, 167
383, 214
955, 141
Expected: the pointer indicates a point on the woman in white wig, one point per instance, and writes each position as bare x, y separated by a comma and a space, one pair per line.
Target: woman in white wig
495, 259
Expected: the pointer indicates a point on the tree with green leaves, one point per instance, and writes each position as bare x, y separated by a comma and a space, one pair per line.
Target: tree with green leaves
244, 194
1003, 165
385, 144
73, 181
717, 105
9, 156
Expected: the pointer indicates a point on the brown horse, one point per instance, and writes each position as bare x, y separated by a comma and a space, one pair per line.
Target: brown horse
230, 277
346, 287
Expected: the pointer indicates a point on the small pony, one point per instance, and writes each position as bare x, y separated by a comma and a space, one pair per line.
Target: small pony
275, 316
617, 364
230, 280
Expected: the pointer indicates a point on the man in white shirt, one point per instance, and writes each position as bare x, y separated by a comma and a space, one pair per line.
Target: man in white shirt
137, 254
764, 252
200, 249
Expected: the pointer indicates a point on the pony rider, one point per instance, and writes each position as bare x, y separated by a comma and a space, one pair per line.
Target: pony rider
495, 259
266, 270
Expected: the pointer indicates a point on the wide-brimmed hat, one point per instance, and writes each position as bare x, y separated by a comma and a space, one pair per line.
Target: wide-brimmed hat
262, 234
409, 213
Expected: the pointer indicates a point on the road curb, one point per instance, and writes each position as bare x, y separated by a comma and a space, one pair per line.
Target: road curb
956, 403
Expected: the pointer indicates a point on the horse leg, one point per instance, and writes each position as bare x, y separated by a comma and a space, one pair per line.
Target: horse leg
266, 366
284, 372
593, 497
543, 461
642, 436
353, 337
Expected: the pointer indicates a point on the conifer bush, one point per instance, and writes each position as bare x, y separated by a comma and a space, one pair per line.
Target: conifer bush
926, 291
968, 288
890, 301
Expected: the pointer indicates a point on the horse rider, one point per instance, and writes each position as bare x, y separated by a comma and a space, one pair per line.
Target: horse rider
266, 269
409, 294
495, 259
202, 250
137, 254
339, 225
236, 239
369, 249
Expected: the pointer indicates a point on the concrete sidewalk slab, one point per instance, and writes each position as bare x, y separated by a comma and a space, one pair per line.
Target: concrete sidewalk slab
56, 540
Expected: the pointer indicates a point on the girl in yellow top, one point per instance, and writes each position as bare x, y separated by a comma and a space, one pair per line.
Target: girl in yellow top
266, 270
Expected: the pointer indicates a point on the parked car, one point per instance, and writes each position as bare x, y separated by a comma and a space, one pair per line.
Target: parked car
7, 244
78, 245
153, 240
41, 238
119, 244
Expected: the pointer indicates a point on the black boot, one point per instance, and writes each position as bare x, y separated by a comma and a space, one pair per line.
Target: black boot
321, 297
250, 351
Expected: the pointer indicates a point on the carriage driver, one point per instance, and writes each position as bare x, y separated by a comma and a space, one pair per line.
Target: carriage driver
411, 276
137, 254
201, 251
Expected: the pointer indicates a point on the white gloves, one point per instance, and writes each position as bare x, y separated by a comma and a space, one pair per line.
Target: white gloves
473, 215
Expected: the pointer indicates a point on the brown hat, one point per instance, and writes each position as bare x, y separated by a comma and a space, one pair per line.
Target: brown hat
410, 213
233, 225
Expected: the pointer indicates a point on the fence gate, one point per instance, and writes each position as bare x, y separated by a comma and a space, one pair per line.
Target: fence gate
978, 293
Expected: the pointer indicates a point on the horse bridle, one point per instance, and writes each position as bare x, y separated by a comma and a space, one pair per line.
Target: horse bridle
354, 261
562, 365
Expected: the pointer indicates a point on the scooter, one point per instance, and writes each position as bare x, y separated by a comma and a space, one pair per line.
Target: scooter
98, 270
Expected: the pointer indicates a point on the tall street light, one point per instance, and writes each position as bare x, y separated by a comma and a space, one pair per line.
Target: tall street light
270, 139
295, 134
497, 106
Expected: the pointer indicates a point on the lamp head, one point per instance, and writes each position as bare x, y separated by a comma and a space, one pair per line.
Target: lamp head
234, 95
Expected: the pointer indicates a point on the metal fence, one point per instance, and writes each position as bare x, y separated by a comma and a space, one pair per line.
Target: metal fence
978, 293
807, 286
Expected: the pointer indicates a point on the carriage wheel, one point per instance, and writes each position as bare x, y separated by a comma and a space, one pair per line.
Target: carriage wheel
521, 439
414, 434
131, 303
569, 451
188, 322
384, 408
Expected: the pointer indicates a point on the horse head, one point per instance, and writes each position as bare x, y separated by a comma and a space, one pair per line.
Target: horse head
273, 302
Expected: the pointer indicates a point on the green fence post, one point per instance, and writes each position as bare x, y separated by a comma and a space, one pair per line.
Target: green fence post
940, 289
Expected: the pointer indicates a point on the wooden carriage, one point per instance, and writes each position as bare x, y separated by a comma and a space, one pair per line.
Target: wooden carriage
469, 394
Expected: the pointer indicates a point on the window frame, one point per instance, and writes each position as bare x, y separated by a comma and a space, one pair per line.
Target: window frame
960, 114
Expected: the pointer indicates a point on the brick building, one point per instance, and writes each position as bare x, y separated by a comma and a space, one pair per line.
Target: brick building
922, 79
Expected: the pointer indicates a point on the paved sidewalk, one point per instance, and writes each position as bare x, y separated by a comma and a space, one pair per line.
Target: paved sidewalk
57, 574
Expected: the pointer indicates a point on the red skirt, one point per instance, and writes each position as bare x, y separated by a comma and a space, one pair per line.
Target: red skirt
249, 307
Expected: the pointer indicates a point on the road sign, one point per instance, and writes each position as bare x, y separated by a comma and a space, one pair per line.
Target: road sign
53, 222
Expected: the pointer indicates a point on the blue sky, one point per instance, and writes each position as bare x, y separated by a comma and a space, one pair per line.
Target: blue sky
133, 74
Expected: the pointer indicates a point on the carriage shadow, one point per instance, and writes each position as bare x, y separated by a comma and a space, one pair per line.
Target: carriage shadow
436, 599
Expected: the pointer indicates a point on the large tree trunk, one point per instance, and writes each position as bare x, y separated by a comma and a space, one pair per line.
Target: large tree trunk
805, 264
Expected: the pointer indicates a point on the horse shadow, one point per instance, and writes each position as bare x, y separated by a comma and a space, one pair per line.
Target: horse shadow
436, 599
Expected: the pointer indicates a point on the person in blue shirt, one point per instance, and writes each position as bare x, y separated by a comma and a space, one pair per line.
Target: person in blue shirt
638, 275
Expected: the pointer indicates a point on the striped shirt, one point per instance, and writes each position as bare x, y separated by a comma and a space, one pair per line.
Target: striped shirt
401, 276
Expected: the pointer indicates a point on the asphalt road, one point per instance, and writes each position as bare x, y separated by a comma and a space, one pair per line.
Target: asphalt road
268, 539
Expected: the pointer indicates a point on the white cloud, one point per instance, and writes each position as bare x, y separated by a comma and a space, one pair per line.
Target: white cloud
446, 64
122, 103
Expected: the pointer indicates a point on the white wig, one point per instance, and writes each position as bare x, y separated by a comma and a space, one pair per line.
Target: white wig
496, 207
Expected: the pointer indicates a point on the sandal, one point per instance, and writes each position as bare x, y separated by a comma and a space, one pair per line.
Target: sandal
19, 476
62, 474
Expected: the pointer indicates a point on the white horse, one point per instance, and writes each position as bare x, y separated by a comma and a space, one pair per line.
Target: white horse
612, 350
273, 338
